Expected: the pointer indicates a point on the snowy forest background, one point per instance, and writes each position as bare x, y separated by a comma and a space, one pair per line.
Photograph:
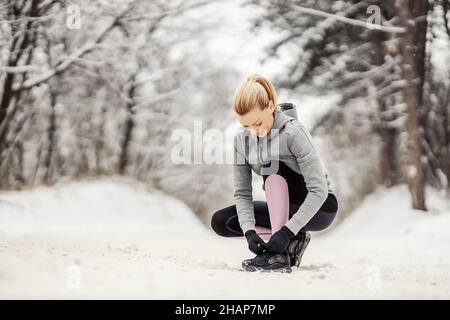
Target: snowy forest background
95, 88
92, 205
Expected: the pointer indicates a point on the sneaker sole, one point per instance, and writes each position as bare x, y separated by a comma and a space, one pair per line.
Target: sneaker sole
276, 267
300, 250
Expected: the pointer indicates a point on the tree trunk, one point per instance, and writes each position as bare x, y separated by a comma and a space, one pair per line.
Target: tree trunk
51, 137
21, 41
446, 147
412, 69
446, 8
129, 126
388, 156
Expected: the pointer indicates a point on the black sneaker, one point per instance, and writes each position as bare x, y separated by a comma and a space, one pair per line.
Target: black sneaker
267, 262
297, 247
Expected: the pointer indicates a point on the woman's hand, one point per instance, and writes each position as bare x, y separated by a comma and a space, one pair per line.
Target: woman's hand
279, 241
255, 243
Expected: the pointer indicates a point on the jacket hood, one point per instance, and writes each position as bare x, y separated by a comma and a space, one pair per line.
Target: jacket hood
280, 119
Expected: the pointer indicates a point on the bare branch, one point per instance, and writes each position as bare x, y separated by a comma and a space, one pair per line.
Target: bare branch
354, 22
29, 18
170, 12
66, 63
379, 70
19, 69
106, 81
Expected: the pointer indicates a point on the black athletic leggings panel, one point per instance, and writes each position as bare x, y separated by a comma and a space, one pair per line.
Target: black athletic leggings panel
225, 221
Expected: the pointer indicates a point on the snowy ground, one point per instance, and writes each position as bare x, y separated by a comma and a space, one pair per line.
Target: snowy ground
117, 239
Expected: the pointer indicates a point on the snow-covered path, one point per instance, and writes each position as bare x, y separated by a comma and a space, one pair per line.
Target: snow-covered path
373, 254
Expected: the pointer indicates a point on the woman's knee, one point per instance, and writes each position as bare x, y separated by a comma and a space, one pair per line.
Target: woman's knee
275, 180
320, 221
219, 221
330, 204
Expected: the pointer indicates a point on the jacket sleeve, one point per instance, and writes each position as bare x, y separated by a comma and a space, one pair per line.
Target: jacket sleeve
243, 190
301, 146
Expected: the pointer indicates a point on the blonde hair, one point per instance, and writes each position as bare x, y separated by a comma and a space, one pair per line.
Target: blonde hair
255, 91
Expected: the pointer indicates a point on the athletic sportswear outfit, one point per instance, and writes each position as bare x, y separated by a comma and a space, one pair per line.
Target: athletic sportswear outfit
297, 188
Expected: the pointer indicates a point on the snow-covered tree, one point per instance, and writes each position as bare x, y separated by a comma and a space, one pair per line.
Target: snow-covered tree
93, 88
374, 53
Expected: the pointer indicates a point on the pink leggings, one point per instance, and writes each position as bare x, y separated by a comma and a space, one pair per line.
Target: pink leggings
277, 196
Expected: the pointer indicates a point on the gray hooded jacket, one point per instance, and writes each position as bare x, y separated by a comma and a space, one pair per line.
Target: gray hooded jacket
288, 141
